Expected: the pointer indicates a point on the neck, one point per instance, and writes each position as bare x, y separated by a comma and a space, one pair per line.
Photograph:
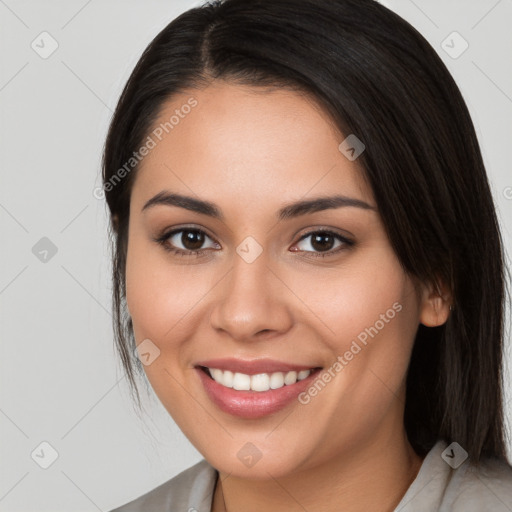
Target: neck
378, 474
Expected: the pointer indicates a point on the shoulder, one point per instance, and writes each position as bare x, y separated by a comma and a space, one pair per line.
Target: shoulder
487, 487
189, 491
445, 484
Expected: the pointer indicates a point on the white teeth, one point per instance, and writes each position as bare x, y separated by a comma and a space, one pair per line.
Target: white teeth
242, 382
290, 378
303, 374
258, 382
277, 380
217, 374
227, 378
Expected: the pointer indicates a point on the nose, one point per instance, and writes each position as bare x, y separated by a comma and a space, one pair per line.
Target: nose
252, 302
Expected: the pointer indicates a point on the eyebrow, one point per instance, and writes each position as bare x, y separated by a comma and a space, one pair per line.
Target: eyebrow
287, 212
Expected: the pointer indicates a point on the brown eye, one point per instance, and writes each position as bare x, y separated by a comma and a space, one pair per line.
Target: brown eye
322, 241
192, 240
319, 242
185, 241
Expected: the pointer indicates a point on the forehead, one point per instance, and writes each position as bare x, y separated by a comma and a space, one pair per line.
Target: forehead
246, 146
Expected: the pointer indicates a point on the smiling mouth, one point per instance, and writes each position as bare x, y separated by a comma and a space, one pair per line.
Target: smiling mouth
259, 382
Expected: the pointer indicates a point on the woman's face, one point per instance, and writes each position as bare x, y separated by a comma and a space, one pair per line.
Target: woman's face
270, 294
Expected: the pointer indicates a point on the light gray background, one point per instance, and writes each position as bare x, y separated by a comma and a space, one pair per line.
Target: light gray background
60, 379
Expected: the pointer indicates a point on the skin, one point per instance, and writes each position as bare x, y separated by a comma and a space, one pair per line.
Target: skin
251, 152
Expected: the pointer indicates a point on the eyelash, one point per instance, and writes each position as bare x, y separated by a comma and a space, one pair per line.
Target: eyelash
163, 241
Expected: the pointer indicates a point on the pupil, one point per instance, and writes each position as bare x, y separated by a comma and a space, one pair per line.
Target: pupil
322, 241
192, 240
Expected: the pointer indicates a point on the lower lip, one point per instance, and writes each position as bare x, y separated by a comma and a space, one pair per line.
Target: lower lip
253, 404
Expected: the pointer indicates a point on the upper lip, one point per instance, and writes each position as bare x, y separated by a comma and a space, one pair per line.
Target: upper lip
254, 366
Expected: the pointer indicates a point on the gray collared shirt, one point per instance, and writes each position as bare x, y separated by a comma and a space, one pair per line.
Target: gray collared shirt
438, 487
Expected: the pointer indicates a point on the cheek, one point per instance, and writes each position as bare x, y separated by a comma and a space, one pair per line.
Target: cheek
157, 293
369, 318
350, 302
160, 303
165, 303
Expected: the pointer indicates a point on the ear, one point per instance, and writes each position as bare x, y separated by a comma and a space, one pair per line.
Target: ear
435, 304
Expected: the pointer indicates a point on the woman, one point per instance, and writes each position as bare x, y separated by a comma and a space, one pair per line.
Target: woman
308, 262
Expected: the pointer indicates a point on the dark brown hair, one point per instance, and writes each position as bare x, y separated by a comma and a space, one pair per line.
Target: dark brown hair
380, 79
